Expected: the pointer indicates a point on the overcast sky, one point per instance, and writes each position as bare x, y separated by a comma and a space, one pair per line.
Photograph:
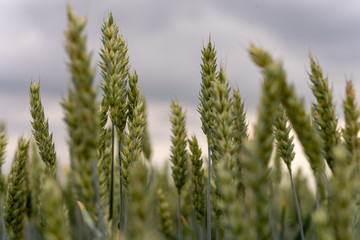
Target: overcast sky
165, 40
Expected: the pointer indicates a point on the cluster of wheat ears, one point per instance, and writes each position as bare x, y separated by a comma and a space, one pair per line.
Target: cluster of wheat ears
112, 192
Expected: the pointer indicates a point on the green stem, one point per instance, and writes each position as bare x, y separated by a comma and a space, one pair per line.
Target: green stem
297, 206
317, 194
217, 233
112, 173
282, 231
179, 218
208, 209
100, 223
121, 185
126, 214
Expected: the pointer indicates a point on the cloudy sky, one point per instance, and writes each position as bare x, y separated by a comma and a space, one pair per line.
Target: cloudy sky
165, 40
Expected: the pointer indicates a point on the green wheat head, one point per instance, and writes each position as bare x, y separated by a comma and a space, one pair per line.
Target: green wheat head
132, 147
133, 95
164, 215
352, 124
179, 155
104, 156
324, 111
341, 200
262, 143
208, 76
229, 203
285, 145
146, 144
41, 129
114, 66
14, 205
138, 209
81, 113
240, 135
223, 146
299, 118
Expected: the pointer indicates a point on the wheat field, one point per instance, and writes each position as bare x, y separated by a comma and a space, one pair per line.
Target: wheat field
236, 189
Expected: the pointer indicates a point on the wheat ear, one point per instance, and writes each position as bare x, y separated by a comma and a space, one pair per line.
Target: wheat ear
300, 120
41, 129
138, 208
131, 150
164, 214
285, 149
179, 156
239, 136
324, 111
198, 181
208, 76
81, 113
104, 158
146, 144
14, 206
352, 125
341, 198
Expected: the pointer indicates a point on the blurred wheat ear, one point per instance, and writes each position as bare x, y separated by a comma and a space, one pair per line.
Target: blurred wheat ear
82, 114
3, 143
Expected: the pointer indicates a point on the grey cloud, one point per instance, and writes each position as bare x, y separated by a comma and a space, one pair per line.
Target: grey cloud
165, 40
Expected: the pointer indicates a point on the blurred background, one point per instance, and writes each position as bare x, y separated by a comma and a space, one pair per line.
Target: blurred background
165, 39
